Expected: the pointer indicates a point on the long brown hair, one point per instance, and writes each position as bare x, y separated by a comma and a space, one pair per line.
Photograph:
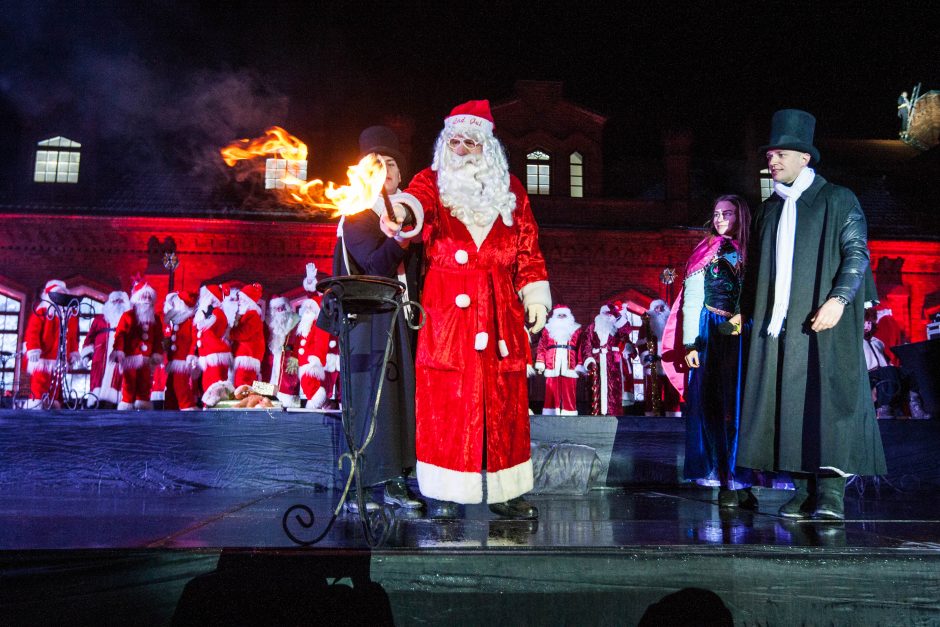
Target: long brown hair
742, 221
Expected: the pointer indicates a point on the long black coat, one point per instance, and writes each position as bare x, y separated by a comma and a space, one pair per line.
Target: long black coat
393, 446
806, 402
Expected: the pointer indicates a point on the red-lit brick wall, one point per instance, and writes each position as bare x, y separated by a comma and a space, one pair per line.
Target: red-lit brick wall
587, 267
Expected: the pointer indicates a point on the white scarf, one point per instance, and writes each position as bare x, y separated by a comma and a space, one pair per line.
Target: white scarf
786, 234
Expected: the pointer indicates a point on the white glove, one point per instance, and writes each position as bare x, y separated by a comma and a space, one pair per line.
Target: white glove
312, 271
33, 356
75, 361
193, 362
536, 314
581, 370
230, 309
529, 371
540, 367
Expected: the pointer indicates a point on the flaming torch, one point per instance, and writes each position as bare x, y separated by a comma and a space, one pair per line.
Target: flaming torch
289, 155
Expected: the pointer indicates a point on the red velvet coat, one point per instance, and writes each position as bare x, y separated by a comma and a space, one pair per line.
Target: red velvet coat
211, 343
138, 342
608, 357
247, 338
178, 342
473, 352
42, 335
559, 361
105, 378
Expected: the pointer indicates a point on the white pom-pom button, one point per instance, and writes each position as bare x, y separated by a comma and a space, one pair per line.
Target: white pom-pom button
462, 301
332, 343
461, 256
503, 349
481, 340
300, 352
173, 347
143, 347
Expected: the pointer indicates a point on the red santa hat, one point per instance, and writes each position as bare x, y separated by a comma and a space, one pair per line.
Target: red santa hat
278, 301
472, 115
188, 298
214, 290
560, 306
54, 285
140, 288
252, 292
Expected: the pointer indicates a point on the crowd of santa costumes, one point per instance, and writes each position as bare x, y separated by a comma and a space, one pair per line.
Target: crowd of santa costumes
194, 351
199, 349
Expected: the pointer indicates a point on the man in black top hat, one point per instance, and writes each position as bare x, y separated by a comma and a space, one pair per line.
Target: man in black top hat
806, 407
370, 243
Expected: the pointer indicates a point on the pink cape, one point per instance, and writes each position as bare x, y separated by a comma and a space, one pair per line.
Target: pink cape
673, 347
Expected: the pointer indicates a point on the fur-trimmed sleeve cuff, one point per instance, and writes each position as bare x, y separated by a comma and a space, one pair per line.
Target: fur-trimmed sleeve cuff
536, 293
413, 205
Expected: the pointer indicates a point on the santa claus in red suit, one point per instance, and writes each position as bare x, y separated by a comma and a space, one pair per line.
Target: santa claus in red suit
211, 350
138, 345
247, 336
602, 347
311, 353
105, 379
557, 358
41, 345
485, 279
178, 311
281, 366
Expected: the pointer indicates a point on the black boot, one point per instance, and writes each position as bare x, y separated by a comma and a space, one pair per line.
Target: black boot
746, 499
830, 499
443, 510
803, 502
397, 493
727, 498
517, 508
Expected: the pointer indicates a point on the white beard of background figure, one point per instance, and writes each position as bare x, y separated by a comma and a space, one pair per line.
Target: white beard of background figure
602, 347
557, 358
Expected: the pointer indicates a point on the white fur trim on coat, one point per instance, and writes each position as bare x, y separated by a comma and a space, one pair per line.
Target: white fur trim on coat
288, 400
43, 365
536, 293
216, 392
481, 340
215, 359
404, 198
178, 366
134, 362
509, 483
108, 395
449, 485
244, 362
319, 400
503, 348
143, 405
314, 368
122, 406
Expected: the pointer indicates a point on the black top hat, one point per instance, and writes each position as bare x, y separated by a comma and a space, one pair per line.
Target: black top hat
382, 141
792, 129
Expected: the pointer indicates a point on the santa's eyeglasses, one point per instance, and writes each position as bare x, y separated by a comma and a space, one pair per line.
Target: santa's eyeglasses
454, 143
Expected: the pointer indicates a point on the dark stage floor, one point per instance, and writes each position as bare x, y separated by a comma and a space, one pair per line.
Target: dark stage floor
160, 518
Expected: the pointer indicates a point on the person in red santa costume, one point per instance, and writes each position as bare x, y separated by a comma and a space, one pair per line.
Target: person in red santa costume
41, 345
332, 390
658, 313
485, 279
312, 343
138, 344
557, 358
281, 366
178, 311
105, 377
602, 347
247, 336
212, 352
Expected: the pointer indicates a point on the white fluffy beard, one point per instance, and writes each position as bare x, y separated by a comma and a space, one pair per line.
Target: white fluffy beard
561, 329
658, 322
144, 313
603, 326
474, 187
308, 316
201, 307
113, 310
280, 324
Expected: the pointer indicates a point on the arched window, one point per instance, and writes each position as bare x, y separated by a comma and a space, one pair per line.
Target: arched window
11, 324
766, 184
275, 170
576, 165
57, 161
537, 172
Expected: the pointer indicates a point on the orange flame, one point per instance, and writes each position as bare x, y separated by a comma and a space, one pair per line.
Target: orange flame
366, 178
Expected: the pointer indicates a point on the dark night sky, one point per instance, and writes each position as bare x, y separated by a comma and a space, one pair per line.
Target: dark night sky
221, 70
